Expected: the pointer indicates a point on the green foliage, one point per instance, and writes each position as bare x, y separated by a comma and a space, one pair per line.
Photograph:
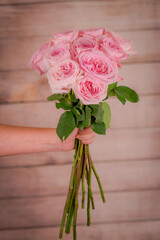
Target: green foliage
110, 90
106, 115
54, 97
66, 125
78, 113
87, 120
97, 112
73, 98
80, 125
99, 127
111, 87
125, 93
63, 103
121, 99
98, 116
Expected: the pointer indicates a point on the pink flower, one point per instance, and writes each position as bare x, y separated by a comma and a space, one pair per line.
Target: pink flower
93, 32
84, 44
57, 52
90, 90
97, 65
63, 75
126, 45
48, 55
38, 62
69, 36
112, 48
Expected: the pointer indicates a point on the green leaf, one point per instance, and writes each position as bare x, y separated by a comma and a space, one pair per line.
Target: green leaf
64, 104
66, 125
80, 125
54, 97
99, 128
121, 99
127, 93
79, 114
110, 90
97, 112
111, 87
107, 114
87, 120
73, 97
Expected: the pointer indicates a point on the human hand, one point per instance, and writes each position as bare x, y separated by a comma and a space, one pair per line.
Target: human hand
86, 135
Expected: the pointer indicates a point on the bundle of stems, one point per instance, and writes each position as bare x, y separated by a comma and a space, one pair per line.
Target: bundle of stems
82, 168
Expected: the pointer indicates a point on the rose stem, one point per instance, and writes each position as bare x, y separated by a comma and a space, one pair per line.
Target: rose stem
97, 177
89, 190
92, 200
83, 174
79, 167
70, 214
72, 174
71, 209
66, 207
71, 204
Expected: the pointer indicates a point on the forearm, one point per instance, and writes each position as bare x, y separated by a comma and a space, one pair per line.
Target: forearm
19, 140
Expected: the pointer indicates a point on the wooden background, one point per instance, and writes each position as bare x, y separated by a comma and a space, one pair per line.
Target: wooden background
33, 187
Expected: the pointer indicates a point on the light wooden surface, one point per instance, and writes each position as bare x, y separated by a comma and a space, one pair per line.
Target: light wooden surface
26, 20
33, 186
117, 209
115, 231
52, 180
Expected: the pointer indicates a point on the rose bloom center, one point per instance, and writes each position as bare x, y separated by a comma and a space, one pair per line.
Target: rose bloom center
90, 87
65, 71
56, 52
96, 65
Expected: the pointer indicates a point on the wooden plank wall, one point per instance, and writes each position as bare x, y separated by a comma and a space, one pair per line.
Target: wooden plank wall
33, 187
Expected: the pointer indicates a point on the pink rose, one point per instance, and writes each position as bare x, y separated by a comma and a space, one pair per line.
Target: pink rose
112, 48
98, 65
48, 55
84, 44
57, 52
93, 32
69, 36
126, 45
38, 62
90, 90
63, 75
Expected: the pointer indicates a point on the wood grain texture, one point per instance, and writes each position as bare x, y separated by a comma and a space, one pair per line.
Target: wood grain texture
145, 113
52, 180
43, 19
118, 144
142, 40
33, 187
46, 211
148, 230
27, 85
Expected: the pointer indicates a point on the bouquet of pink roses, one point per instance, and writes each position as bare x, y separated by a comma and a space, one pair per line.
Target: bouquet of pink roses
82, 71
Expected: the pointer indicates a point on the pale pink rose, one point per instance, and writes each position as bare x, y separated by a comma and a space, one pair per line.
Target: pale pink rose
98, 65
112, 48
63, 75
93, 32
83, 44
90, 90
48, 55
57, 52
126, 45
69, 36
38, 62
